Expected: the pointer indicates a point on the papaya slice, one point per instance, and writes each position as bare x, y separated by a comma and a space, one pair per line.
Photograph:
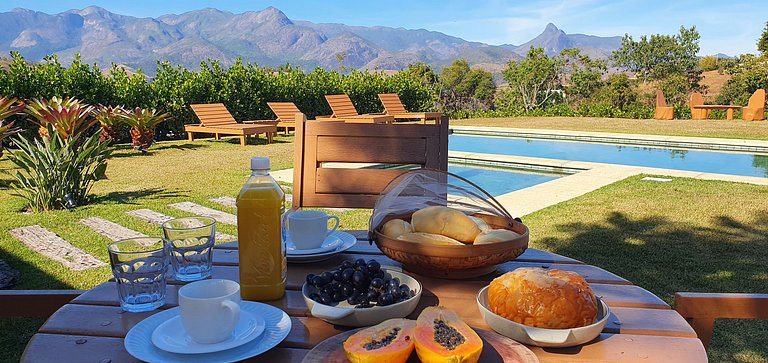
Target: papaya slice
442, 337
391, 341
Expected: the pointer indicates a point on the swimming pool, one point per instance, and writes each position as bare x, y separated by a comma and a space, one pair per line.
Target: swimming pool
678, 159
497, 181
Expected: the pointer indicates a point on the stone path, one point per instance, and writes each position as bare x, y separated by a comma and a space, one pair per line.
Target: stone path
225, 201
200, 210
56, 248
151, 216
9, 276
109, 229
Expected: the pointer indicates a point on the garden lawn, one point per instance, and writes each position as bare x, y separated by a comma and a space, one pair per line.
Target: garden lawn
685, 235
735, 129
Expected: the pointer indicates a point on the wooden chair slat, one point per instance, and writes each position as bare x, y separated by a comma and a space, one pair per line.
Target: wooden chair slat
359, 150
353, 181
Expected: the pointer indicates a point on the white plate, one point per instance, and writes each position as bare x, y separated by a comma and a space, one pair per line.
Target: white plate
347, 241
138, 341
171, 336
330, 243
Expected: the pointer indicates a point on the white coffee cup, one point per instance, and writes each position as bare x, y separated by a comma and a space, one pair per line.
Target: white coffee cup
308, 229
210, 309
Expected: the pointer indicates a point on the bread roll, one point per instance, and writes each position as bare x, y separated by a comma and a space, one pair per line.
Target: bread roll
429, 238
396, 227
483, 225
543, 298
447, 222
495, 235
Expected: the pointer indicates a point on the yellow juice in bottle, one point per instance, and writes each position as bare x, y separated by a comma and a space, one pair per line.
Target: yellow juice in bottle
260, 206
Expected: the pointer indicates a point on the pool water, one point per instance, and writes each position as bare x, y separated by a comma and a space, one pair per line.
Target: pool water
497, 181
678, 159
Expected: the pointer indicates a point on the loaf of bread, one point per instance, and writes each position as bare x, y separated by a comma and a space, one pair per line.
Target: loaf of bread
447, 222
483, 225
543, 298
429, 238
495, 235
395, 228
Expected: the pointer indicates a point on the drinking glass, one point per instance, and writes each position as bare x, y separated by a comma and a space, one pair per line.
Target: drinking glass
190, 241
139, 266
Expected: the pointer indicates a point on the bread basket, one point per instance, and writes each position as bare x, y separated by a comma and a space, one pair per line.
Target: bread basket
421, 188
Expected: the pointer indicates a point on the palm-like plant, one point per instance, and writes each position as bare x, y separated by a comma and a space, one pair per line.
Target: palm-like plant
143, 122
7, 109
110, 118
68, 116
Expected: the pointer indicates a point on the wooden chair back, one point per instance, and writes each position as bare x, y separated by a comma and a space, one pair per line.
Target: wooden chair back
341, 105
696, 99
660, 101
285, 111
392, 104
757, 100
702, 309
316, 184
213, 114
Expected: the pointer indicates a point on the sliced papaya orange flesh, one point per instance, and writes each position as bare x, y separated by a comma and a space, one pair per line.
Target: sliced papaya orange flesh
441, 336
388, 342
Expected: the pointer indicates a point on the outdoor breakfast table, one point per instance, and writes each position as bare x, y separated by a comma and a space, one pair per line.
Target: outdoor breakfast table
729, 109
643, 328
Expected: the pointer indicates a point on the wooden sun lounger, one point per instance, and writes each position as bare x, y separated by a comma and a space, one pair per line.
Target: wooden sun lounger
394, 107
284, 113
215, 119
344, 110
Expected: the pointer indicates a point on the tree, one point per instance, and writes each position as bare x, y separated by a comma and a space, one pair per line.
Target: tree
535, 78
584, 74
762, 43
467, 89
661, 56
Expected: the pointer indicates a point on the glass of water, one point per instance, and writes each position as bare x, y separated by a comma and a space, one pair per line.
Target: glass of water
190, 241
139, 266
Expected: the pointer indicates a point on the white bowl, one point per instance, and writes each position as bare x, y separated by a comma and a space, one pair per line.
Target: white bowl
347, 315
542, 337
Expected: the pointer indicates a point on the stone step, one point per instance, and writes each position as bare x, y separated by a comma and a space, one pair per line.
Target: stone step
200, 210
109, 229
151, 216
56, 248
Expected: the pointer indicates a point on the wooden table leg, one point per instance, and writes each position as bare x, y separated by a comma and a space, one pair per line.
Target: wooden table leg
191, 136
217, 136
242, 140
270, 136
729, 114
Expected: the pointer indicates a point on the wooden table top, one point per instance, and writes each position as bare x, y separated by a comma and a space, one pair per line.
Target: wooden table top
643, 328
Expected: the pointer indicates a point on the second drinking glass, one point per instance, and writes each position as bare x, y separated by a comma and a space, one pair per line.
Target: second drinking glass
190, 241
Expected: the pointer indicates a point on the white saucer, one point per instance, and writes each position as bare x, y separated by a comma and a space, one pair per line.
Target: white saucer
138, 341
330, 243
170, 336
347, 242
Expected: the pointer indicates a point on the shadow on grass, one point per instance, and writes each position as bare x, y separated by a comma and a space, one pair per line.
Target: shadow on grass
127, 197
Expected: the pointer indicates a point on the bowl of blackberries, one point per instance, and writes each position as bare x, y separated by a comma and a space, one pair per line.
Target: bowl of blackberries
361, 293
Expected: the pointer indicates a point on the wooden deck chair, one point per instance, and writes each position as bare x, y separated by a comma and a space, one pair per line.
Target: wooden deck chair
215, 119
34, 303
663, 112
701, 309
317, 184
393, 106
342, 106
284, 112
698, 113
755, 109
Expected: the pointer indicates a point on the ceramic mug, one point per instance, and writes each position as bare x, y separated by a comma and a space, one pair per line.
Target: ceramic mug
307, 229
210, 309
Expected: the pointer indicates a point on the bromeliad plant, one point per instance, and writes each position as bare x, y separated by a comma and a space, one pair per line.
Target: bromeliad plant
143, 122
111, 119
68, 116
57, 171
7, 109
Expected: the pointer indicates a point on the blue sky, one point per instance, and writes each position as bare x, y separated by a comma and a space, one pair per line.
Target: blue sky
730, 27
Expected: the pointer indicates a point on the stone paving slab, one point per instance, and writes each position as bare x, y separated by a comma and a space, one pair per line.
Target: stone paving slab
226, 201
200, 210
56, 248
109, 229
151, 216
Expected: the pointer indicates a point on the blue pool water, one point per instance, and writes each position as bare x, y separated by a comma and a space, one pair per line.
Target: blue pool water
496, 181
679, 159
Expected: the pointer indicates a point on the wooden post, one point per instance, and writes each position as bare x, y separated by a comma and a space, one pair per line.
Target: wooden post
217, 137
298, 159
191, 136
729, 114
243, 141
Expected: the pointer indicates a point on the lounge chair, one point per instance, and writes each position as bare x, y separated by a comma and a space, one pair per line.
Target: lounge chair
755, 110
663, 112
215, 119
698, 113
393, 106
344, 110
284, 111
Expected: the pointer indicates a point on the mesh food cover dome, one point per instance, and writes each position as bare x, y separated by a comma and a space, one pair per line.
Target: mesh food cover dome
421, 188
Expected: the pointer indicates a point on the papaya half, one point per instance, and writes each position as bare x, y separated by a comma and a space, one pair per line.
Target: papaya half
442, 337
391, 341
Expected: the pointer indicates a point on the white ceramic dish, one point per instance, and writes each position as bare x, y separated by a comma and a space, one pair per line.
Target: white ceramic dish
138, 341
347, 315
550, 338
330, 243
347, 241
170, 336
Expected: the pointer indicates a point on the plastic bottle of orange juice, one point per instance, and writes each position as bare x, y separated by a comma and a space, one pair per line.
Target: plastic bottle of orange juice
260, 206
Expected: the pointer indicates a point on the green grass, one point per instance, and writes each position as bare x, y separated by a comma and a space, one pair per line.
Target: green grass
685, 235
735, 129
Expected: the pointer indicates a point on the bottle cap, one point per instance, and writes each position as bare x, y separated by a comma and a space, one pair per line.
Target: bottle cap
259, 163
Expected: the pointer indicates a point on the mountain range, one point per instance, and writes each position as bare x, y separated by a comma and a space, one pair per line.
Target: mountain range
267, 37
